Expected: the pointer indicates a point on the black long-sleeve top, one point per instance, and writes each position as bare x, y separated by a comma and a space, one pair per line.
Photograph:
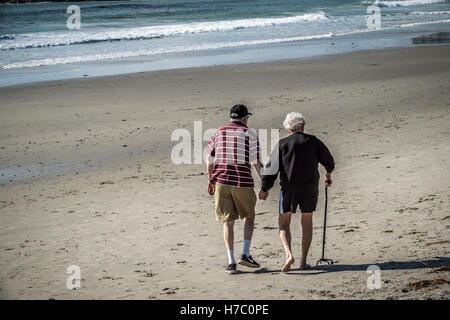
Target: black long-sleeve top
298, 156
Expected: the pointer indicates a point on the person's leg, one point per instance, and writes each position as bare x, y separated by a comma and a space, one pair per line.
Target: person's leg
284, 222
228, 236
246, 259
226, 213
249, 227
245, 202
307, 232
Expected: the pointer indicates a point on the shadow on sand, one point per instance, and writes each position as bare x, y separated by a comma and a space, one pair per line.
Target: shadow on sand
391, 265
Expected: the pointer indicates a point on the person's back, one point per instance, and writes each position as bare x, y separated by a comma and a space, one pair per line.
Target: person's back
298, 157
300, 154
235, 147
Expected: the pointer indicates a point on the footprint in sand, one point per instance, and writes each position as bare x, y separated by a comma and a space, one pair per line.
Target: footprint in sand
169, 291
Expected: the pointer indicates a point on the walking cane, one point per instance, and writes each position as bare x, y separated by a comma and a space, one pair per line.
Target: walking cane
323, 260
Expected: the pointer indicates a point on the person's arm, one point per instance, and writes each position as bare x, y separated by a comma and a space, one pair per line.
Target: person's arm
258, 167
255, 152
210, 164
255, 157
211, 185
209, 168
328, 180
327, 160
270, 172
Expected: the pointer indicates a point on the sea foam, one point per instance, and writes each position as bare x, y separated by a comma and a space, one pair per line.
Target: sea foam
212, 46
140, 53
403, 3
66, 37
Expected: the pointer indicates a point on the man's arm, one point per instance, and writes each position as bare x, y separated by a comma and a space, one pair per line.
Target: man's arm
255, 151
211, 186
258, 166
270, 172
327, 160
211, 150
257, 163
209, 168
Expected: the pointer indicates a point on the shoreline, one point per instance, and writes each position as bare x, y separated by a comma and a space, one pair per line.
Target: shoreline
167, 36
244, 64
248, 54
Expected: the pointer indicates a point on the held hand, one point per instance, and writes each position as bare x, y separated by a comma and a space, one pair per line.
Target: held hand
328, 181
211, 189
263, 195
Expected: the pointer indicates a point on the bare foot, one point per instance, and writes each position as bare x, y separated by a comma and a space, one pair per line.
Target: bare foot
305, 266
287, 266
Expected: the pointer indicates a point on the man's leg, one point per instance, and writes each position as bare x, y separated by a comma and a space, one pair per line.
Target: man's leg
249, 227
284, 222
245, 202
307, 232
246, 259
228, 236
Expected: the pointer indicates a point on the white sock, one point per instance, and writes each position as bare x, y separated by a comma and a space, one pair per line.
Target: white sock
231, 257
246, 249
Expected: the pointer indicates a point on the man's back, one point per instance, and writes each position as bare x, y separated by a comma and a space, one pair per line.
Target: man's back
234, 148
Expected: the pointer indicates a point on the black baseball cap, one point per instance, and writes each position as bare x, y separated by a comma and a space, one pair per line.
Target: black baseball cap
239, 111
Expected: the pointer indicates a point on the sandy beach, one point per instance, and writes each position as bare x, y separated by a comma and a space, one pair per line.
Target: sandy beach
87, 179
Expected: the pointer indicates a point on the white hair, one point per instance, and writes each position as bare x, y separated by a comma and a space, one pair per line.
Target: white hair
294, 121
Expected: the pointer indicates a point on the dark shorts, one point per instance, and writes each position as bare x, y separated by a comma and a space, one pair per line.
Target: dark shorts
306, 198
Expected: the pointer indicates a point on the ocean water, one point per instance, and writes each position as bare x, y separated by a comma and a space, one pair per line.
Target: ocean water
133, 36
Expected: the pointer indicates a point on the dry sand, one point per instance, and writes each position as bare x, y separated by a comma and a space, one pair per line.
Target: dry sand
95, 186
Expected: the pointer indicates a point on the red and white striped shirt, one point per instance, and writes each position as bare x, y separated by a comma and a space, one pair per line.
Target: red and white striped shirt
234, 148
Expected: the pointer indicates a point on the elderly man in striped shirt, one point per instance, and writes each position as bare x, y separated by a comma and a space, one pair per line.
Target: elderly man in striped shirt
231, 152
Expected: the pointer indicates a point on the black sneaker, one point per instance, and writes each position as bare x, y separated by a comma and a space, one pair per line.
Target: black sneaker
231, 268
248, 261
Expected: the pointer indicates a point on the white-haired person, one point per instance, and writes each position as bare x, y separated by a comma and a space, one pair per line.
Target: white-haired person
296, 159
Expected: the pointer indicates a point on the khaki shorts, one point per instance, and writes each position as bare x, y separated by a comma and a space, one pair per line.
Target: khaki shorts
234, 202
